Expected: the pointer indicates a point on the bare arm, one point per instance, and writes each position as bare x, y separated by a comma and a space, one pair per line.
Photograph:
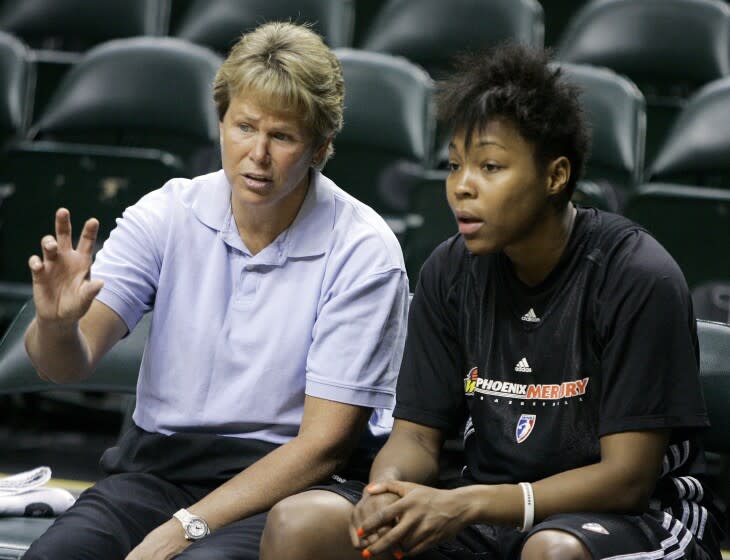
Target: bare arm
411, 453
71, 331
328, 434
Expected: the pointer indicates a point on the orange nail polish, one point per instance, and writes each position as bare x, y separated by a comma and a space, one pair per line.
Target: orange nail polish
360, 532
366, 553
398, 555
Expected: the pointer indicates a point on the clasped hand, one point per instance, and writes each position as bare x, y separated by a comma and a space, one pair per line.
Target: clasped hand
405, 518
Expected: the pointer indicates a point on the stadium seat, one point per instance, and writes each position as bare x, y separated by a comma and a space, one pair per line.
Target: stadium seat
16, 85
116, 374
76, 25
616, 114
712, 301
431, 32
714, 341
59, 30
387, 137
366, 11
131, 115
218, 24
669, 49
692, 223
696, 149
558, 14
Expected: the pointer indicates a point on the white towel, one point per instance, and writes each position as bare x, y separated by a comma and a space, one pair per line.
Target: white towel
22, 495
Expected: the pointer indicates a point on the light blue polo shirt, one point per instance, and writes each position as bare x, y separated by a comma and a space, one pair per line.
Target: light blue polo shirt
237, 339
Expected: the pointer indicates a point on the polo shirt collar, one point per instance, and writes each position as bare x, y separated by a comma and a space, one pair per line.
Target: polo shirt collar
311, 230
308, 234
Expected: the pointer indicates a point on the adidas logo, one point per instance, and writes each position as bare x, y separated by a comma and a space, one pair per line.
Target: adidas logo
523, 367
530, 316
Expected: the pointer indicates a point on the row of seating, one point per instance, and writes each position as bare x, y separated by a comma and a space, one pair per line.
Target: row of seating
636, 38
76, 25
111, 76
114, 131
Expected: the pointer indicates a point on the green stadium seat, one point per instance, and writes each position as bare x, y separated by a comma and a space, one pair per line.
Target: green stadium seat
218, 24
59, 30
558, 14
692, 223
16, 83
145, 92
116, 373
714, 341
696, 149
431, 32
616, 114
365, 13
669, 49
388, 130
77, 25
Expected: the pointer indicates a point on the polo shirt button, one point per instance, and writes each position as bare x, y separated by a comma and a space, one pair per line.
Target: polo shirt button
249, 267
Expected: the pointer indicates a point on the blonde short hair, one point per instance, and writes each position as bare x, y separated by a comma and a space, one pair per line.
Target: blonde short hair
288, 68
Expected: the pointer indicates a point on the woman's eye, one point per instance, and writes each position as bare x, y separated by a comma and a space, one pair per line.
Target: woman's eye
453, 166
491, 167
244, 127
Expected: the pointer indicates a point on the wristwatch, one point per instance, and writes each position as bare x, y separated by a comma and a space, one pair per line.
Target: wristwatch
195, 527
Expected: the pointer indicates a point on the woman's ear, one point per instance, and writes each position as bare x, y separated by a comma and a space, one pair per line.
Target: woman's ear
321, 152
558, 175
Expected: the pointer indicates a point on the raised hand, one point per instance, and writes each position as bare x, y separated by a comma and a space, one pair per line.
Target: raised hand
62, 289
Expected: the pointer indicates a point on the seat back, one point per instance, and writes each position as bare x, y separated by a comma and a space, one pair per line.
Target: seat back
715, 375
16, 84
76, 25
692, 223
616, 115
558, 14
431, 32
91, 181
218, 24
389, 125
668, 48
149, 92
117, 371
696, 149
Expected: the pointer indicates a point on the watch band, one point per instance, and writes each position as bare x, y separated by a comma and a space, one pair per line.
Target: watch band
195, 527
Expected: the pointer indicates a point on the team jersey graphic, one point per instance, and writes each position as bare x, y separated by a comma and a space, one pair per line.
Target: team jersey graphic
524, 427
523, 391
470, 381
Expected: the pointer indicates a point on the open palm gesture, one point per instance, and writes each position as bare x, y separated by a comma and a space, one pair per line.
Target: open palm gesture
62, 289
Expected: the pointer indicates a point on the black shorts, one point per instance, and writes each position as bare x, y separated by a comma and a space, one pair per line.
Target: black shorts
651, 536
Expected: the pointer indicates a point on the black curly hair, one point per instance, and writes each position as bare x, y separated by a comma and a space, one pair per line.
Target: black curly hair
517, 83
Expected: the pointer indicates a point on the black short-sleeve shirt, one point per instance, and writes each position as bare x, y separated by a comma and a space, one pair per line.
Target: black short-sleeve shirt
606, 343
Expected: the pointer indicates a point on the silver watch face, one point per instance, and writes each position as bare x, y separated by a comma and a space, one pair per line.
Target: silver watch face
196, 529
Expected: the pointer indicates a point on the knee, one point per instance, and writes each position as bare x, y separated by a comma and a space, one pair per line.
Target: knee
554, 545
287, 525
307, 525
